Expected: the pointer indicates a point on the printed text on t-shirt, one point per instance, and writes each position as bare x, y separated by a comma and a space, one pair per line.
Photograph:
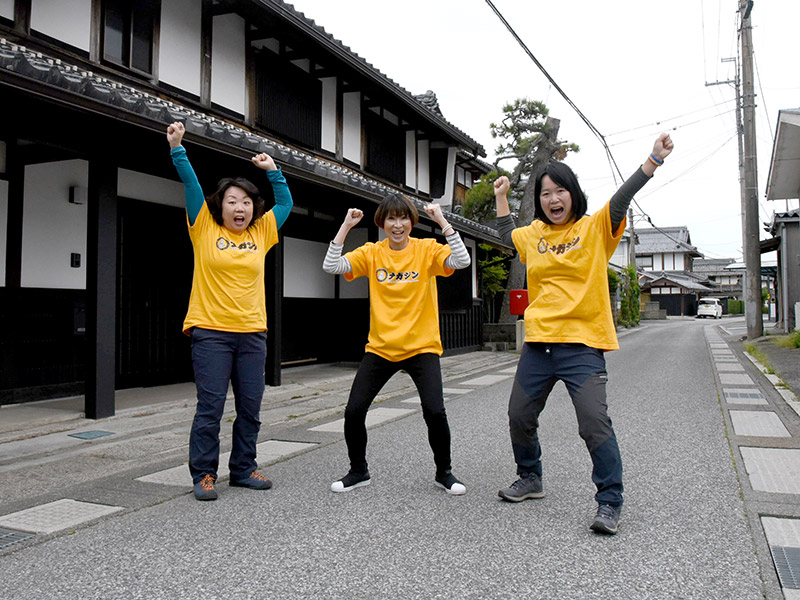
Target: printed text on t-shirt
386, 276
558, 249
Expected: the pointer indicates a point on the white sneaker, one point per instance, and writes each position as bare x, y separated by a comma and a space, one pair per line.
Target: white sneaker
450, 484
351, 481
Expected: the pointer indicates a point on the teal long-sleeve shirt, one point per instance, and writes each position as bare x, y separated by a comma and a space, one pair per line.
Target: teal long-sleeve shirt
195, 197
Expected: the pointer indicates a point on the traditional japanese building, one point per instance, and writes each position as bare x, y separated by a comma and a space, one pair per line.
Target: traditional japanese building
95, 260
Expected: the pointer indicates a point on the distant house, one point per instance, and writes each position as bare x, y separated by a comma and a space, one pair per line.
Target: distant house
727, 281
666, 258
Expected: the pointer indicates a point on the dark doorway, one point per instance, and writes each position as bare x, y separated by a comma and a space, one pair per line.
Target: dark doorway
154, 282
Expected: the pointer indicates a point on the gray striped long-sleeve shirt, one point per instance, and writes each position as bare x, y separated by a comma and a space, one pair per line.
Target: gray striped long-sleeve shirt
336, 264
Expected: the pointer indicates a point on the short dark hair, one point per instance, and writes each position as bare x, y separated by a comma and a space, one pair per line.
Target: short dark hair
561, 175
398, 205
214, 201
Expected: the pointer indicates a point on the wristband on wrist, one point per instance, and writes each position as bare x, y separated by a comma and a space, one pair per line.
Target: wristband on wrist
655, 161
451, 228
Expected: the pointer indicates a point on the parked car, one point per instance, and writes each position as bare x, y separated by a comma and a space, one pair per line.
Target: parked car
709, 307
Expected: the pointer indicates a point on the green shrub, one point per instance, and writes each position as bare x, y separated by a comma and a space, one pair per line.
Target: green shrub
735, 307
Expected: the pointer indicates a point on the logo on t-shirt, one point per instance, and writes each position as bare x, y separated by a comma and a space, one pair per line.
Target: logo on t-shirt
226, 244
386, 276
558, 249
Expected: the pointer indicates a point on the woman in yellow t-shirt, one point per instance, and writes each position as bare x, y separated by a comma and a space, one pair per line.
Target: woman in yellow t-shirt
231, 233
568, 323
404, 326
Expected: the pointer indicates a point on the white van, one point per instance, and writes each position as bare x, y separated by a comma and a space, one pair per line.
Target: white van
709, 307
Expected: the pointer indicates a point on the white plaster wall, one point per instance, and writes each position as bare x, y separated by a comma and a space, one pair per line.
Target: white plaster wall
669, 261
180, 46
3, 229
328, 114
423, 166
228, 63
52, 228
351, 126
447, 198
303, 276
66, 20
411, 159
358, 288
139, 186
7, 9
470, 244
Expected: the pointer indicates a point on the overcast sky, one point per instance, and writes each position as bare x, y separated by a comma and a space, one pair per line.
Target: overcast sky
633, 68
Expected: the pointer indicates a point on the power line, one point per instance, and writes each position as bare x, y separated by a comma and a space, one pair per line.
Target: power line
552, 81
583, 117
657, 123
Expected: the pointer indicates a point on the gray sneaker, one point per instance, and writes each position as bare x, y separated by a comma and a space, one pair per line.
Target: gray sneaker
529, 485
607, 519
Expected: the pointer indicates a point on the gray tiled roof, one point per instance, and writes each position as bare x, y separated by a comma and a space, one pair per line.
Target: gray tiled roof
18, 59
665, 239
684, 279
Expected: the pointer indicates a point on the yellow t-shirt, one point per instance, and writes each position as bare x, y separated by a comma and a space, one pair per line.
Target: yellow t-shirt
404, 307
228, 283
567, 267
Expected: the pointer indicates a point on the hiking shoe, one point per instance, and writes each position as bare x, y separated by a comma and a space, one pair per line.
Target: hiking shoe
351, 481
256, 481
204, 489
607, 519
527, 486
450, 484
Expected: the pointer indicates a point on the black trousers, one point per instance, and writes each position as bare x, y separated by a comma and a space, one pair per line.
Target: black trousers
373, 373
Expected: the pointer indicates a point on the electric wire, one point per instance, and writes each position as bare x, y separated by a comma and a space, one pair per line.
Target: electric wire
592, 128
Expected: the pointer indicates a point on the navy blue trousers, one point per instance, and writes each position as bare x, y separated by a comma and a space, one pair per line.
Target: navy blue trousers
220, 357
583, 371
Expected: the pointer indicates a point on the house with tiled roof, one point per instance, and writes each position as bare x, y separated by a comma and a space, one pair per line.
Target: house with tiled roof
666, 258
95, 261
783, 184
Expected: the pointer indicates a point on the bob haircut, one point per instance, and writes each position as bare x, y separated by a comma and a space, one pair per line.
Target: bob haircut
214, 201
563, 176
396, 205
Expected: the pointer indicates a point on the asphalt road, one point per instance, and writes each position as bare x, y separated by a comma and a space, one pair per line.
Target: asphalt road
684, 532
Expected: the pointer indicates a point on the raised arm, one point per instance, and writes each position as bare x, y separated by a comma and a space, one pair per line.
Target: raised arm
334, 262
505, 222
283, 198
621, 200
191, 187
459, 257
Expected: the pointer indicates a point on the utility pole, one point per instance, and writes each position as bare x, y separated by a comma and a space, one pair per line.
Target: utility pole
752, 249
632, 246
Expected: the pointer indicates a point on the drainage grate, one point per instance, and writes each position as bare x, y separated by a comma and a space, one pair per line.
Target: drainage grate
90, 435
9, 537
743, 395
787, 563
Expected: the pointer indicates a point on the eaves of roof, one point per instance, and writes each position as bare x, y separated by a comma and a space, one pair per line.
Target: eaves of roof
21, 67
361, 66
